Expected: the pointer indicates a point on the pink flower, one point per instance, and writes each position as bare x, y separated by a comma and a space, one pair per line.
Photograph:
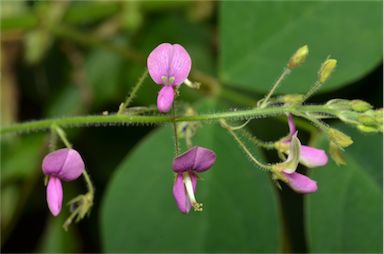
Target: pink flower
169, 66
187, 166
63, 164
309, 156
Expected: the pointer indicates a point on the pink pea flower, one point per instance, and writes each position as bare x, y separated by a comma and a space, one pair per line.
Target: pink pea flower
169, 66
63, 164
309, 156
187, 166
286, 171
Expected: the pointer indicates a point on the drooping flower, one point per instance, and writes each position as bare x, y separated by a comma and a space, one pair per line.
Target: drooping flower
63, 164
187, 166
169, 66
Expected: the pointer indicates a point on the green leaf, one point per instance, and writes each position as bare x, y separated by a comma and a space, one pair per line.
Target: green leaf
240, 214
345, 215
258, 38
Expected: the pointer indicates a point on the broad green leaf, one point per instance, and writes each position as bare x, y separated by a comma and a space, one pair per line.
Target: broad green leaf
258, 38
240, 213
345, 215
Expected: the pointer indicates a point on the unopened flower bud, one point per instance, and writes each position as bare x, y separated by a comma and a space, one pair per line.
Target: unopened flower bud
326, 69
292, 99
339, 104
340, 139
367, 120
336, 154
299, 57
367, 129
360, 106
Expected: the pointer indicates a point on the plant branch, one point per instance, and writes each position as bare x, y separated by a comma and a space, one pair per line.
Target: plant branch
114, 119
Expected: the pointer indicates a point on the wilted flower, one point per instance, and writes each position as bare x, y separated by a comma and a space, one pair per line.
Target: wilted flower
306, 155
187, 166
169, 66
309, 156
63, 164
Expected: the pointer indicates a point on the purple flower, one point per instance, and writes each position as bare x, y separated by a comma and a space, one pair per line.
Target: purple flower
63, 164
187, 166
309, 156
169, 66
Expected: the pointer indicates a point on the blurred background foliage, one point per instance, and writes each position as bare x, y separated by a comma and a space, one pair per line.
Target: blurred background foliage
62, 58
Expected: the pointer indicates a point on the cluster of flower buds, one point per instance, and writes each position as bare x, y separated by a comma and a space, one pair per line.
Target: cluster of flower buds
358, 113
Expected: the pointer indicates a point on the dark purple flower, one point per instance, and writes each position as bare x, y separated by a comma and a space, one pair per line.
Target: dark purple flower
187, 166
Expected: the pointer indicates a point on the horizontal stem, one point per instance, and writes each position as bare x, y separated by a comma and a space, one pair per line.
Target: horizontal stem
114, 119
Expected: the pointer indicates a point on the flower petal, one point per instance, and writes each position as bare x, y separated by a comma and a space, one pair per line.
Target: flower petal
165, 99
180, 65
312, 157
54, 195
158, 62
65, 163
197, 159
180, 193
291, 124
290, 165
301, 183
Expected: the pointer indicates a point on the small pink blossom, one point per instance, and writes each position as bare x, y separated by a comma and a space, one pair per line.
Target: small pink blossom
309, 156
169, 66
63, 164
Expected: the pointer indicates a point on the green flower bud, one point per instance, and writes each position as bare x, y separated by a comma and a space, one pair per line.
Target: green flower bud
340, 139
326, 70
299, 57
367, 120
339, 104
360, 106
292, 99
367, 129
336, 154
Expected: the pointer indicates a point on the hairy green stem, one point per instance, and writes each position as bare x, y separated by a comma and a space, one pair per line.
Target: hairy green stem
177, 150
244, 147
283, 75
114, 119
133, 93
